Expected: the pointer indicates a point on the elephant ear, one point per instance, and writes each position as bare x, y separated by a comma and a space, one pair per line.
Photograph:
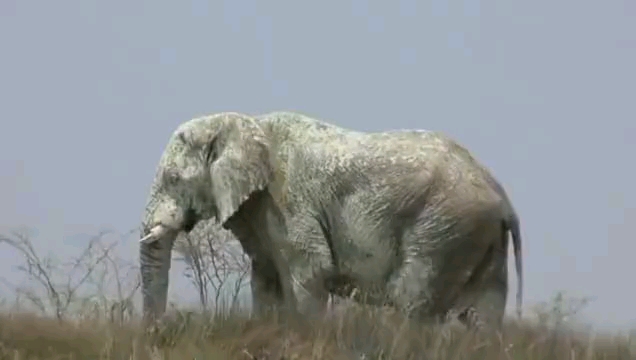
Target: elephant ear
243, 164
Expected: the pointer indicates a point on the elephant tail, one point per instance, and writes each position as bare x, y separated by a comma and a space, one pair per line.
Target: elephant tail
515, 232
511, 223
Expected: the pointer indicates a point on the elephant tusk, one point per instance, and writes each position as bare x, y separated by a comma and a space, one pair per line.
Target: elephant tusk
147, 239
155, 234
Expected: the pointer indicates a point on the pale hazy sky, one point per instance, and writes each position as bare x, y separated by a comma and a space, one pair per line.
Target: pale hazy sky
543, 92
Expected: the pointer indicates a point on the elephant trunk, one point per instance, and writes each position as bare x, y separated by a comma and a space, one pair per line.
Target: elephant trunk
155, 259
161, 225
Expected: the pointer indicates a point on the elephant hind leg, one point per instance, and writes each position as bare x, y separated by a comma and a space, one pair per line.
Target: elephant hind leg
482, 302
491, 294
440, 256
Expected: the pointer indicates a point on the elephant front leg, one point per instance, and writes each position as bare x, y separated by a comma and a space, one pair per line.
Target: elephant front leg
267, 293
261, 230
310, 262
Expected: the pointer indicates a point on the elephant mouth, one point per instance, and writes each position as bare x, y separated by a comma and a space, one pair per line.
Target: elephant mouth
157, 232
161, 230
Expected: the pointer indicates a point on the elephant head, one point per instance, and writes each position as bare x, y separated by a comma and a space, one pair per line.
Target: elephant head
212, 167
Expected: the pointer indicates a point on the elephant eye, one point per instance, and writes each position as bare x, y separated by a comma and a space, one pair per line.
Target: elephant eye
170, 176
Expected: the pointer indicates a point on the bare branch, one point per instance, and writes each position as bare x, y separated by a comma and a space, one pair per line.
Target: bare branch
57, 287
213, 265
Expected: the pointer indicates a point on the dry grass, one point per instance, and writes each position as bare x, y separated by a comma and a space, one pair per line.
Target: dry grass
79, 318
360, 334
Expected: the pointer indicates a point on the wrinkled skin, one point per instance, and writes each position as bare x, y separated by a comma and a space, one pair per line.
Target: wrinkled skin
407, 218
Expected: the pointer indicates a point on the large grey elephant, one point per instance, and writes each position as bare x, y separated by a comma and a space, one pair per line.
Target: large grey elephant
407, 218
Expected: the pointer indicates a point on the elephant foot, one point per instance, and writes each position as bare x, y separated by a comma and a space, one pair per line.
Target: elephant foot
472, 319
311, 297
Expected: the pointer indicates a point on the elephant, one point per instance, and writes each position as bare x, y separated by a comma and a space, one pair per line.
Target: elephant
408, 218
